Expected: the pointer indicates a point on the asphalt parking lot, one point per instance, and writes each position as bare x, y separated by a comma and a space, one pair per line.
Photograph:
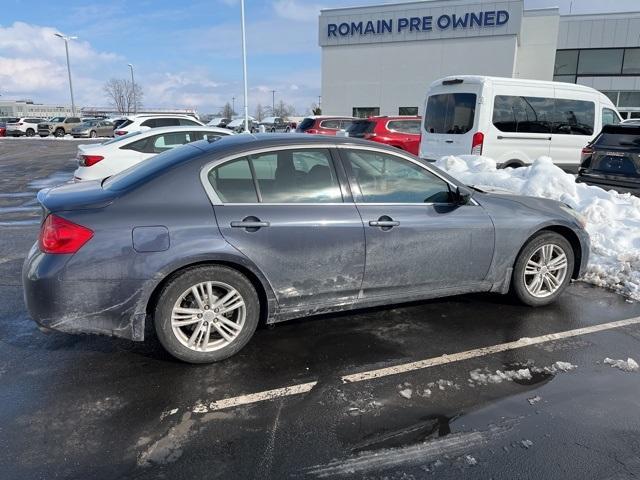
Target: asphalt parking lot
520, 392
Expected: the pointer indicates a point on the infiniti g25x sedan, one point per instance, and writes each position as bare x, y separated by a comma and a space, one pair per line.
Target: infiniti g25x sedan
208, 239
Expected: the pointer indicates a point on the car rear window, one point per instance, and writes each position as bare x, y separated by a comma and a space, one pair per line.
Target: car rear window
615, 136
361, 127
306, 124
450, 113
405, 126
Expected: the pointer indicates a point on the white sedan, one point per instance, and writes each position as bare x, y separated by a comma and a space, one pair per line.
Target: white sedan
98, 161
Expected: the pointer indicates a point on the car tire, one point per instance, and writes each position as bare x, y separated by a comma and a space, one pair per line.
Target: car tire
59, 132
177, 294
288, 130
93, 134
524, 280
273, 130
30, 132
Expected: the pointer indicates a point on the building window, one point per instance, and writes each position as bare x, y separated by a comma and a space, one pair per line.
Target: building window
566, 62
613, 96
564, 78
629, 99
364, 112
631, 61
602, 61
408, 111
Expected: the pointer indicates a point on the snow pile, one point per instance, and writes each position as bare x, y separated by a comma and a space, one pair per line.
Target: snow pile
613, 219
630, 365
560, 367
484, 377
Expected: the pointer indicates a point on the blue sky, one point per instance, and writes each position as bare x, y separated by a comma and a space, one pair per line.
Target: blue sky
186, 54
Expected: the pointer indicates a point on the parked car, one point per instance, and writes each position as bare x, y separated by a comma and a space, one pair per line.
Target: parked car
402, 132
512, 120
58, 126
612, 159
275, 124
27, 126
3, 124
144, 122
98, 161
211, 237
631, 121
324, 125
237, 125
93, 129
118, 121
218, 122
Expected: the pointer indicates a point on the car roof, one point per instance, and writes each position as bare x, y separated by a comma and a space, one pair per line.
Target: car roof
181, 128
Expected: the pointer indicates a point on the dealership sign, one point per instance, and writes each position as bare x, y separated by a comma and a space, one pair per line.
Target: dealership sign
419, 21
491, 18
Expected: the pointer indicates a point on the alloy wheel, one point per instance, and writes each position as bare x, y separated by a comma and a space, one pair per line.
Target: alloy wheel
208, 316
545, 271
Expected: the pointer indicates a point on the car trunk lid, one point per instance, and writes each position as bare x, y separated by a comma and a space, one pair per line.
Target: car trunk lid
616, 152
75, 196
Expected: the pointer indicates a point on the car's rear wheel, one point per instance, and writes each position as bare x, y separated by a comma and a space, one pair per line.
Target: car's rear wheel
543, 269
59, 132
206, 314
30, 132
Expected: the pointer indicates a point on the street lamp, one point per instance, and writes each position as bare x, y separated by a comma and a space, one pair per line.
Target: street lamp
244, 69
133, 88
273, 102
66, 47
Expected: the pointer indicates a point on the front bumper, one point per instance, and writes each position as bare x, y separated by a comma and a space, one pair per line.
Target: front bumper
56, 300
80, 134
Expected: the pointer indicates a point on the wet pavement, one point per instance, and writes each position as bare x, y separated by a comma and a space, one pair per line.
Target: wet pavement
94, 407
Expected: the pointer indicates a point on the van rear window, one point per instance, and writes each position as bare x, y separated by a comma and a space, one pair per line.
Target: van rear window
450, 113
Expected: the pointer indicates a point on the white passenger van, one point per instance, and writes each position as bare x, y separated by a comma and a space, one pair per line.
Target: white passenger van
513, 121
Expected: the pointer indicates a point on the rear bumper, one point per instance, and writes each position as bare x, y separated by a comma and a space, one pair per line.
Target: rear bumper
56, 300
622, 186
15, 133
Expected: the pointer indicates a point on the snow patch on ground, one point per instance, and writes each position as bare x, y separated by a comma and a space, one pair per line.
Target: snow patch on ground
484, 377
613, 219
630, 365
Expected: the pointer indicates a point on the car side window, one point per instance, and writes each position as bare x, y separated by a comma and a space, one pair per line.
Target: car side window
167, 122
330, 124
405, 126
167, 141
209, 135
609, 117
138, 146
151, 123
186, 122
385, 178
289, 176
233, 182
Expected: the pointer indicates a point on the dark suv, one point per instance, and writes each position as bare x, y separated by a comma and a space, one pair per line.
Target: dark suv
612, 159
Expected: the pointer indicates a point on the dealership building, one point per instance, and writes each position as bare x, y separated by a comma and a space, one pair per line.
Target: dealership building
380, 60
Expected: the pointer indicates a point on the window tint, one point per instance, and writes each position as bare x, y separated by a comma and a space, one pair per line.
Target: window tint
233, 182
566, 62
600, 61
345, 124
167, 122
72, 120
296, 176
330, 124
622, 136
359, 128
187, 122
385, 178
450, 113
407, 110
405, 126
631, 61
306, 124
167, 141
209, 135
609, 117
574, 117
523, 114
151, 123
32, 120
364, 112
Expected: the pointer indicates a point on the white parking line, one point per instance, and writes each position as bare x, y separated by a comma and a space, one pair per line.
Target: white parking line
421, 364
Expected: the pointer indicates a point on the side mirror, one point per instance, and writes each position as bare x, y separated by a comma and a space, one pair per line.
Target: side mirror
463, 195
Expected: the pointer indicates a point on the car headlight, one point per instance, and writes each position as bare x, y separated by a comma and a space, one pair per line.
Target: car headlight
581, 219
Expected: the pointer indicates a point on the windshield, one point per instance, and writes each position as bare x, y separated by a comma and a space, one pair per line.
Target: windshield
306, 124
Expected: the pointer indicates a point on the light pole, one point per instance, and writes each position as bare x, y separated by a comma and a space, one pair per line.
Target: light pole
66, 47
273, 103
244, 69
133, 89
233, 106
319, 102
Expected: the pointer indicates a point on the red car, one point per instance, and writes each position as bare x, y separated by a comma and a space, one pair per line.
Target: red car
402, 132
322, 125
3, 131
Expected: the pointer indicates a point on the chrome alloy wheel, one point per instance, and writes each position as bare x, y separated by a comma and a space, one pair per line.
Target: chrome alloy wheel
545, 270
208, 316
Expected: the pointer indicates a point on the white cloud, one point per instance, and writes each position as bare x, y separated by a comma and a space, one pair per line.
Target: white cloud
294, 10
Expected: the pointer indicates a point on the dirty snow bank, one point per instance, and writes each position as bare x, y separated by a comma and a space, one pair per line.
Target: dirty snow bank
613, 219
630, 365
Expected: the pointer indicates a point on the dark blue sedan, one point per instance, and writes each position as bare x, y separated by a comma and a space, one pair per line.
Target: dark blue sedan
211, 238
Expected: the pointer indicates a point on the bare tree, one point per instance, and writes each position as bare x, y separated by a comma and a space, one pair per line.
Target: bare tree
315, 109
260, 112
125, 97
227, 111
283, 110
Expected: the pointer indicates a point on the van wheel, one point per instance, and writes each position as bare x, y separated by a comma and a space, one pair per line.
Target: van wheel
513, 164
543, 269
206, 314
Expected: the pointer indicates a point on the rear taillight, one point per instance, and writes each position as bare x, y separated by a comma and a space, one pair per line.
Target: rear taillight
60, 236
20, 123
587, 151
88, 160
477, 143
120, 132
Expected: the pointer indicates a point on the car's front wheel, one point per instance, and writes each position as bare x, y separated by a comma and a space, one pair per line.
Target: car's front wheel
206, 314
93, 134
543, 269
59, 132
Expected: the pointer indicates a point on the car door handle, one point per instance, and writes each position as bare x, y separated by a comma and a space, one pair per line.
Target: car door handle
449, 141
383, 223
244, 224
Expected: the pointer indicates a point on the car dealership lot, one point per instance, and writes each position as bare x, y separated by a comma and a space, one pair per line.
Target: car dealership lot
94, 407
